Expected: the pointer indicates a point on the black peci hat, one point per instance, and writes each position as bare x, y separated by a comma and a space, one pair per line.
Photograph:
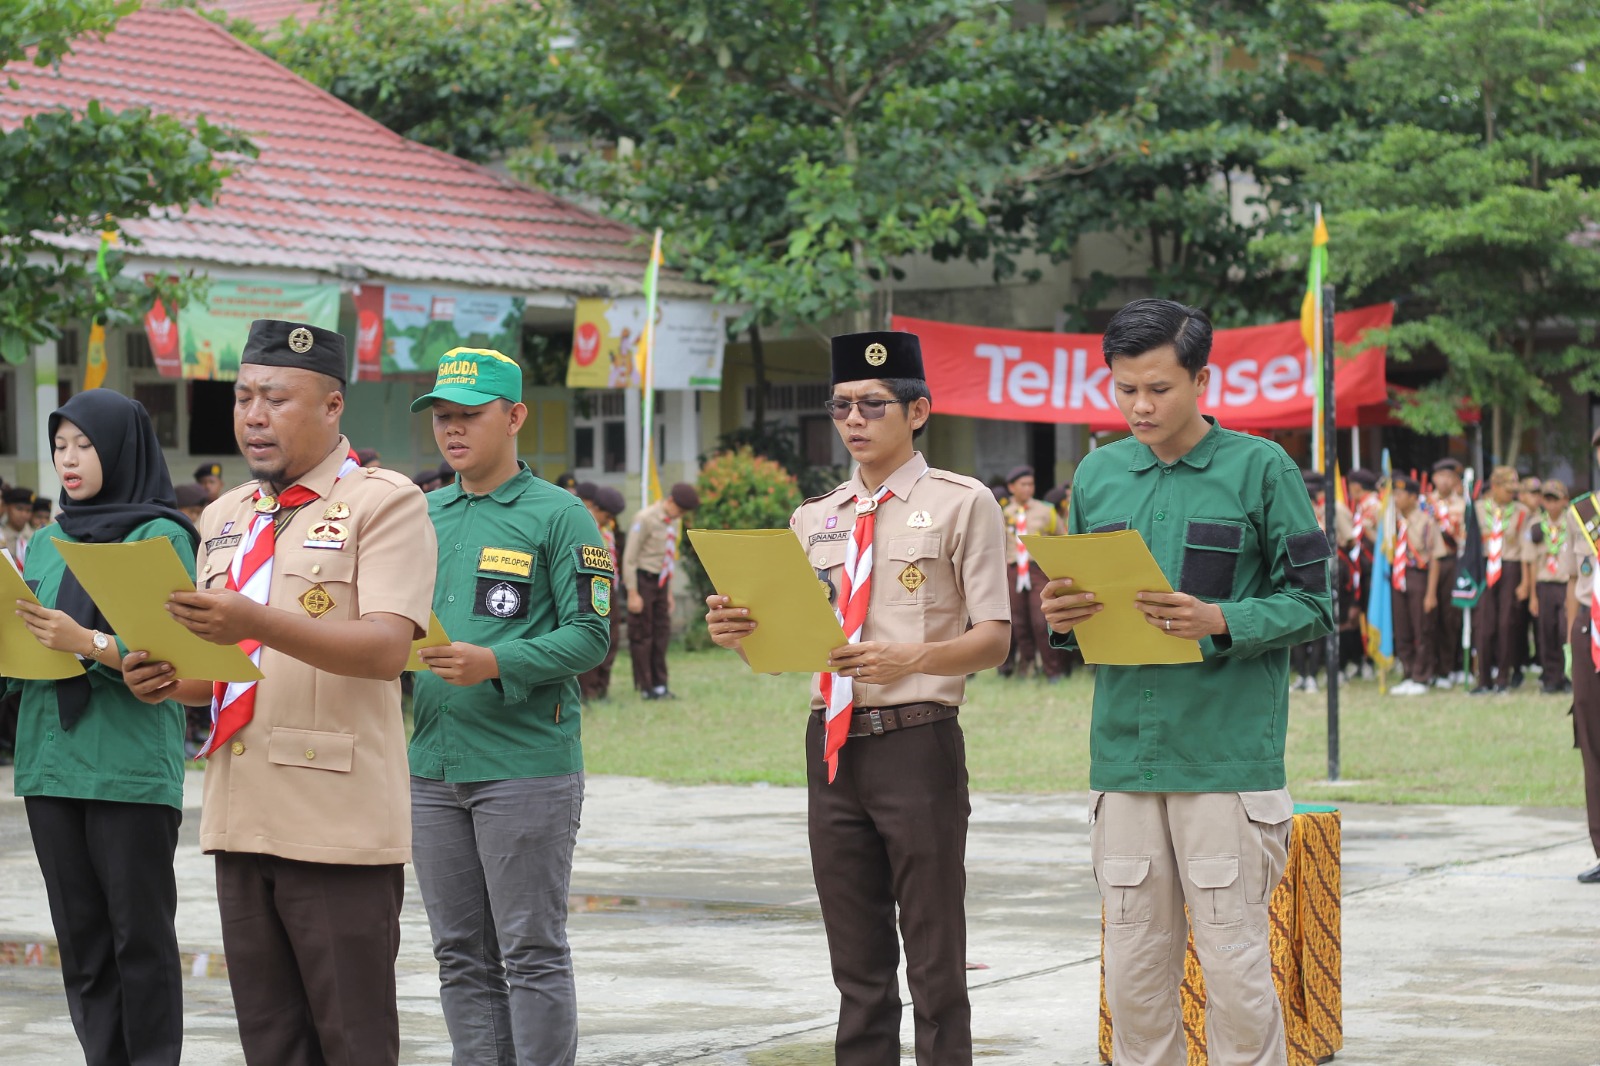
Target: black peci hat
295, 344
207, 470
887, 354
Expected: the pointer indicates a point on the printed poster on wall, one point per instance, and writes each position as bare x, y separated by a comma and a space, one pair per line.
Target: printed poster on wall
690, 338
420, 325
212, 334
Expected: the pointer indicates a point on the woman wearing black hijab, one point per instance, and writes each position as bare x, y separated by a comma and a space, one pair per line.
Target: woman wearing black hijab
100, 771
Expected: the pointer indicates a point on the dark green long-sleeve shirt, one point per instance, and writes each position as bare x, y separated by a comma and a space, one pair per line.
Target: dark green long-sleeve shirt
523, 572
1230, 523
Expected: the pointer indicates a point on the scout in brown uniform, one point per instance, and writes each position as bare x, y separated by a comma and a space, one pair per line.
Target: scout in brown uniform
1415, 579
605, 504
1502, 519
889, 829
1530, 494
209, 477
1583, 529
307, 797
1030, 636
16, 521
648, 561
1449, 506
1548, 572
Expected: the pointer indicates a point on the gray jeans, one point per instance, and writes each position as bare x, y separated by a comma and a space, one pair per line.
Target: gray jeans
494, 862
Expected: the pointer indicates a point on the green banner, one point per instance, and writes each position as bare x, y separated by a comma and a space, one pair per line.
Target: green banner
213, 334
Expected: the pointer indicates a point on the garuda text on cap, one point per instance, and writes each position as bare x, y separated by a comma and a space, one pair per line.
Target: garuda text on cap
474, 376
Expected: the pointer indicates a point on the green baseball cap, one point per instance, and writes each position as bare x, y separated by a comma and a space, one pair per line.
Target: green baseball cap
473, 376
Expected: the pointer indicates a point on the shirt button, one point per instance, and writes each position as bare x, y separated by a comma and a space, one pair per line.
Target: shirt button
1166, 470
1149, 775
1149, 695
50, 735
458, 547
449, 599
1161, 515
317, 569
310, 754
238, 747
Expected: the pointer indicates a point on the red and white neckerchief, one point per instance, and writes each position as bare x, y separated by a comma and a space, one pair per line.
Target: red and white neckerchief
233, 704
1402, 555
1495, 541
669, 559
609, 535
855, 591
1555, 541
1024, 581
1446, 517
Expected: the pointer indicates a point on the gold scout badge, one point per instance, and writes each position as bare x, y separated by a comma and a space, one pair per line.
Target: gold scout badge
920, 520
877, 354
912, 578
337, 511
326, 534
316, 601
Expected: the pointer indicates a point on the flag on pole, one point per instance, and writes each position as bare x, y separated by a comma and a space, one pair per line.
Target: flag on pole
1378, 626
1470, 570
94, 373
649, 476
1311, 328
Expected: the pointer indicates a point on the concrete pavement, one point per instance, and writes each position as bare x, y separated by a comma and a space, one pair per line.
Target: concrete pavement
697, 939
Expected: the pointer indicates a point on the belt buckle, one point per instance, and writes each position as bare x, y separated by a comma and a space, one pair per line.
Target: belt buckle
875, 717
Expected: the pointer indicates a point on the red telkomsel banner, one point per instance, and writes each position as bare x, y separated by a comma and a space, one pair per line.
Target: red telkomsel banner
1262, 377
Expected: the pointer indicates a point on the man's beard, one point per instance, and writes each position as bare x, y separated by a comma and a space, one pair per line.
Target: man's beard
272, 476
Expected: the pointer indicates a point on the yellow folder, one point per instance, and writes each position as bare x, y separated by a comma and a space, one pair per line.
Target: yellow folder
21, 654
130, 583
767, 571
1115, 567
433, 638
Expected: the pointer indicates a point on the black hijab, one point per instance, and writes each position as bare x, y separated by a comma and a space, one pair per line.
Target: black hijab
135, 488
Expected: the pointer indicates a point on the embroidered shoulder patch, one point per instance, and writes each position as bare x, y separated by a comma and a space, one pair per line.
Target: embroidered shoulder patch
593, 559
600, 595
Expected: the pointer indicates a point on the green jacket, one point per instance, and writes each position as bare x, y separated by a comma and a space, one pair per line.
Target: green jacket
522, 571
121, 749
1231, 523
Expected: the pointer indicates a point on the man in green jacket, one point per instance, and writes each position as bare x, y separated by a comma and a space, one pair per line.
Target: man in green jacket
524, 590
1186, 761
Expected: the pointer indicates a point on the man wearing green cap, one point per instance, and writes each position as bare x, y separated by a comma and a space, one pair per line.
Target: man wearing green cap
524, 590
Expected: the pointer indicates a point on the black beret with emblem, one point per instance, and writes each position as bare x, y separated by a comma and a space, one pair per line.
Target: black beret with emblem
16, 494
1448, 464
865, 356
294, 344
207, 470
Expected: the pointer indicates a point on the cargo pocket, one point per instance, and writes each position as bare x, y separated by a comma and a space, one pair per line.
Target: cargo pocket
913, 569
1271, 816
1122, 886
1218, 897
1211, 549
312, 749
322, 583
1111, 527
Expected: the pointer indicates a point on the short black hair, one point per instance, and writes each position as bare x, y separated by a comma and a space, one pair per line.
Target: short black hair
1409, 484
1145, 325
908, 391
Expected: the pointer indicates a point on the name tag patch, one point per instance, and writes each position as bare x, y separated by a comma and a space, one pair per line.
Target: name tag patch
821, 538
594, 559
506, 561
218, 543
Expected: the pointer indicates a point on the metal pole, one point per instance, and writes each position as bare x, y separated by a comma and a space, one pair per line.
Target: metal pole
1330, 442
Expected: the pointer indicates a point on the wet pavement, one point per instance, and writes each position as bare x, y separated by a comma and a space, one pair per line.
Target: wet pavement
697, 938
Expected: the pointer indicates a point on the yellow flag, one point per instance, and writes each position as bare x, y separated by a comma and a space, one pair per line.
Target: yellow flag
94, 374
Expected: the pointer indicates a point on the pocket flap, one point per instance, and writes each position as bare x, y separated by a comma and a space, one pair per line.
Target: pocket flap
315, 566
1268, 808
910, 549
1111, 527
1214, 534
311, 749
1125, 871
1214, 871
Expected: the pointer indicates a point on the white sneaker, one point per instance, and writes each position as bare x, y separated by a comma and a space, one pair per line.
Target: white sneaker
1408, 688
1310, 685
1367, 672
1443, 682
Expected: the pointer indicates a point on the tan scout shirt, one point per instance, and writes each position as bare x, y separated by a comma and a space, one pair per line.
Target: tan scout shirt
1580, 561
1452, 518
15, 540
1422, 533
647, 541
938, 567
1041, 519
320, 773
1516, 524
1540, 557
1343, 521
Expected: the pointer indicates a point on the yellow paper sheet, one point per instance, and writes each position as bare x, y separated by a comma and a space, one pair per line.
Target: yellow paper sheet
434, 638
130, 583
21, 654
767, 571
1115, 567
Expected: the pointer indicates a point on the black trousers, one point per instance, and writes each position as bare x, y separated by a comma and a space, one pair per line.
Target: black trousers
1495, 629
1586, 719
649, 631
113, 899
311, 949
892, 830
1552, 623
1447, 657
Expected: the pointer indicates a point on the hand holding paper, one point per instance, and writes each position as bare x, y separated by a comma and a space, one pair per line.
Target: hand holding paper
766, 571
21, 655
433, 638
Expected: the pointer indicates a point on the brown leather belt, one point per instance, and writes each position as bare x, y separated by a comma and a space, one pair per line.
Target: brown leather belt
876, 721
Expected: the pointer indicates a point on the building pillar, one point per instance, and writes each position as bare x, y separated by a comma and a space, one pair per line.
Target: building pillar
34, 453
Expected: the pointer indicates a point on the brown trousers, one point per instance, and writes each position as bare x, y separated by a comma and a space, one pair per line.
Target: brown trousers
891, 830
1222, 853
1495, 629
596, 684
1414, 638
1030, 633
1586, 719
311, 949
1447, 657
649, 631
1552, 622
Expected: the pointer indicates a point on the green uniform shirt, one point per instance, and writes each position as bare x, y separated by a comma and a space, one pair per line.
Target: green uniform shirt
523, 572
1232, 524
121, 749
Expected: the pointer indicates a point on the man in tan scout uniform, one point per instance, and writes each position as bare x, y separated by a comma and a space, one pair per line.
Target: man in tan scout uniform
1547, 573
1030, 636
1583, 529
1449, 506
648, 561
1502, 518
1417, 589
315, 568
913, 560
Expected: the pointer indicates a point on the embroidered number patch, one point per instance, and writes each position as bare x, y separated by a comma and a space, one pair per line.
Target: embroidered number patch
594, 560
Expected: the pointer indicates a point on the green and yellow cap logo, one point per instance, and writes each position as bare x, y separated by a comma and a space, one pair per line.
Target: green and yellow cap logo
474, 376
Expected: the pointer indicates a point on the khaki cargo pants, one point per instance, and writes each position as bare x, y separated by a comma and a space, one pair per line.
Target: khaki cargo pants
1222, 853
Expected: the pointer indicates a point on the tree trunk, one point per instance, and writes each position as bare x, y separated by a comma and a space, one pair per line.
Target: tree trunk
758, 357
861, 317
1514, 445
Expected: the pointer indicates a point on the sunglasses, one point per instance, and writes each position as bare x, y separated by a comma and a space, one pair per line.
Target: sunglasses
1552, 496
871, 410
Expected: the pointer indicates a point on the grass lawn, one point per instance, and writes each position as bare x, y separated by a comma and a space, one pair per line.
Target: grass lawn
731, 726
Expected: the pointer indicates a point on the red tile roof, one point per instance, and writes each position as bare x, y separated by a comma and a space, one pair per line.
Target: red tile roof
267, 14
332, 188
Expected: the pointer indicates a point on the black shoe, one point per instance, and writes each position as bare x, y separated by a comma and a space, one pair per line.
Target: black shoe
1591, 876
1516, 678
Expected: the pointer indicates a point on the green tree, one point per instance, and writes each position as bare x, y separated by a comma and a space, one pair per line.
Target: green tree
460, 75
1466, 191
66, 175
